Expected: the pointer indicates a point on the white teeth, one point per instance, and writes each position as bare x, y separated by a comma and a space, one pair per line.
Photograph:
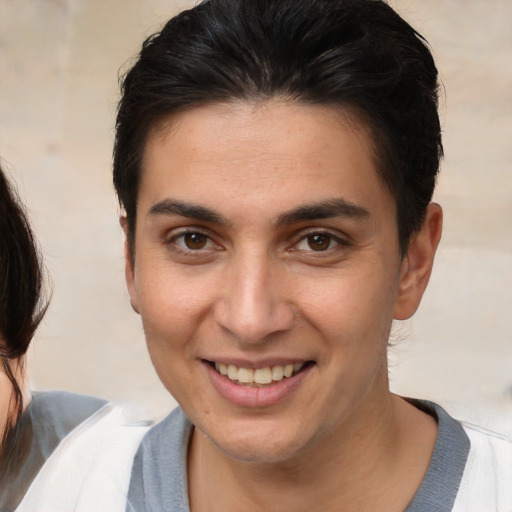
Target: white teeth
260, 376
263, 375
277, 373
232, 372
245, 375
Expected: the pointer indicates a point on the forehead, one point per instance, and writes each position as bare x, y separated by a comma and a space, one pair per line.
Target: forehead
271, 153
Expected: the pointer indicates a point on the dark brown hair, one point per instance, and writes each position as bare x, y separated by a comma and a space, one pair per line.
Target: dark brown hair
342, 53
22, 303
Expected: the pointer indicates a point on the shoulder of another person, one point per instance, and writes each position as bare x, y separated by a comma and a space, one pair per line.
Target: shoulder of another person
64, 406
90, 469
486, 483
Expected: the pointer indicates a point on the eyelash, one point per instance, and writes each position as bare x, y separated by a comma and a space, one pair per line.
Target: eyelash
171, 242
339, 241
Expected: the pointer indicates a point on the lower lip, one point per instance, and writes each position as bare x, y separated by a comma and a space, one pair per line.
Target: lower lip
254, 396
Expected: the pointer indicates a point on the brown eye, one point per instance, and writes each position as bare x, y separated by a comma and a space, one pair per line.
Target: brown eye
195, 241
319, 242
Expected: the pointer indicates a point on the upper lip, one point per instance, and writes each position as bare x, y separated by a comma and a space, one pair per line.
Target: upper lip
256, 363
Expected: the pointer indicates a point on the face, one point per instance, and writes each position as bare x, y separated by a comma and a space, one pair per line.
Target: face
5, 397
267, 273
6, 389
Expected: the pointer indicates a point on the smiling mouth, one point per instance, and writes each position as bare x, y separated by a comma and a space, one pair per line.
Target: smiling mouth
260, 376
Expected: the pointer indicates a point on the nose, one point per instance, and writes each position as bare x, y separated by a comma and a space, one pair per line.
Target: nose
254, 303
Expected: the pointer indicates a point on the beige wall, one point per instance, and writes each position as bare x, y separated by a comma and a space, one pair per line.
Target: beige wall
59, 61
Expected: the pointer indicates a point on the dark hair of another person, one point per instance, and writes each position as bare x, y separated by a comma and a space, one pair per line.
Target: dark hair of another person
357, 55
21, 296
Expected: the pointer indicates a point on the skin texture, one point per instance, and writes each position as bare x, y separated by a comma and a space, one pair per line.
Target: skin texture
5, 397
247, 284
6, 392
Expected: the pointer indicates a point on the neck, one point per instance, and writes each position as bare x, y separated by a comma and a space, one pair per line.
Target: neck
372, 463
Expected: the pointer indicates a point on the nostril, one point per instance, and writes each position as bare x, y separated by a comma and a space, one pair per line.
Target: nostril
254, 321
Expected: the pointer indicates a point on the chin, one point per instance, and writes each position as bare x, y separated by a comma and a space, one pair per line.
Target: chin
259, 443
255, 452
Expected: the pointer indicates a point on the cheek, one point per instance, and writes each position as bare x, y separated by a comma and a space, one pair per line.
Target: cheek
172, 306
169, 331
354, 314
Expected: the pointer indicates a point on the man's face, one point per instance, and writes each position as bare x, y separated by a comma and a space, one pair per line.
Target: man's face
265, 242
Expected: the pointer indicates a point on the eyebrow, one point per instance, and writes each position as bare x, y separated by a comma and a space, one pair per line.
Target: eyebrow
329, 209
188, 210
332, 208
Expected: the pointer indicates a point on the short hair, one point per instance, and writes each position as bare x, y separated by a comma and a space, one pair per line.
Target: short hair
22, 303
354, 54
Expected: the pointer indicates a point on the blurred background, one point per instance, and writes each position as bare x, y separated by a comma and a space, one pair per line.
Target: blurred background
59, 67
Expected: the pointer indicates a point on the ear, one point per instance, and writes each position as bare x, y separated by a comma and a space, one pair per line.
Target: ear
129, 267
417, 263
